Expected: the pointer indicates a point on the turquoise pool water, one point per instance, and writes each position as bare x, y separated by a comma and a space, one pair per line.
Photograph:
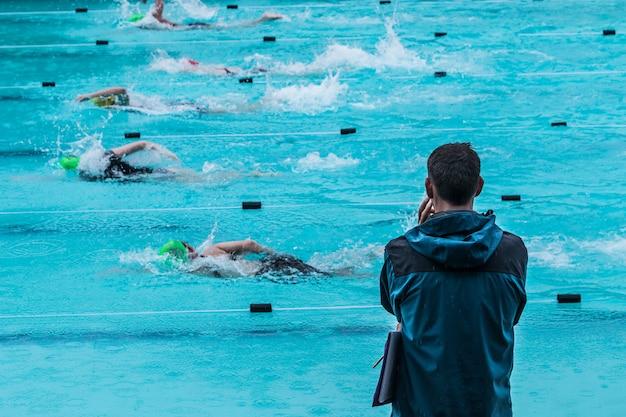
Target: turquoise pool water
70, 246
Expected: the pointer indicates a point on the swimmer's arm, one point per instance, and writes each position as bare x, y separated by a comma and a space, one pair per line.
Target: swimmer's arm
131, 148
157, 13
242, 246
106, 92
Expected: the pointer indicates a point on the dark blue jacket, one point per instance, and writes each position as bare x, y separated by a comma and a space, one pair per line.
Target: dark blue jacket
456, 283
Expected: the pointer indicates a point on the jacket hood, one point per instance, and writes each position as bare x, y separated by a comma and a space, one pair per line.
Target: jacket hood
457, 239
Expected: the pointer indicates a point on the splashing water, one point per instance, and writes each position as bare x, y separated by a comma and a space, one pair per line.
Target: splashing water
348, 261
314, 162
613, 246
409, 220
549, 252
309, 98
390, 54
197, 9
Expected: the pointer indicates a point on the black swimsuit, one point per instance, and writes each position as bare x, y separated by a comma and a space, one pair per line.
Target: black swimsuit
282, 264
117, 168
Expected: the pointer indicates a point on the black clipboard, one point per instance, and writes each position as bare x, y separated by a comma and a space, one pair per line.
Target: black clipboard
385, 389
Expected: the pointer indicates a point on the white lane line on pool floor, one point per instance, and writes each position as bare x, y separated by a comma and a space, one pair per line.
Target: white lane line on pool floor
178, 312
204, 208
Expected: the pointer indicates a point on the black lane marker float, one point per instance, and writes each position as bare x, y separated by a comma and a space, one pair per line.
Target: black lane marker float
261, 308
511, 197
568, 298
251, 205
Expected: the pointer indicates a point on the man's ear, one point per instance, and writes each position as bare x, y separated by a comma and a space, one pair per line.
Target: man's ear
429, 187
479, 189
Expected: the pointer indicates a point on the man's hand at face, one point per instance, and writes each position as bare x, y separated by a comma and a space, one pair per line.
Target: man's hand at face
425, 210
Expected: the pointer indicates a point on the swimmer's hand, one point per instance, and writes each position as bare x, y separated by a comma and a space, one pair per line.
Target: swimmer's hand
250, 245
82, 97
425, 210
161, 150
267, 16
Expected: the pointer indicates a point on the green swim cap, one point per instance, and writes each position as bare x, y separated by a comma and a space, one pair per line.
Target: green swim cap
69, 162
135, 17
175, 249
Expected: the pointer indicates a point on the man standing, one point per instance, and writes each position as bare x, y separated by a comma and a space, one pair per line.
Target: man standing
456, 286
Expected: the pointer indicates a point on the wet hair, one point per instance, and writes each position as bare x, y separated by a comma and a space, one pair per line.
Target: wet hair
454, 168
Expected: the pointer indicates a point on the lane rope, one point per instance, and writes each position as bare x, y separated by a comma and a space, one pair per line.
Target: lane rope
261, 7
163, 42
177, 312
200, 208
262, 81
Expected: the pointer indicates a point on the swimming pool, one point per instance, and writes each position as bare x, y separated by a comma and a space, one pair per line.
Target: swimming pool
88, 250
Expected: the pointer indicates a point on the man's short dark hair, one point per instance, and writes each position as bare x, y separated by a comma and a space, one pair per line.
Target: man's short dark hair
454, 168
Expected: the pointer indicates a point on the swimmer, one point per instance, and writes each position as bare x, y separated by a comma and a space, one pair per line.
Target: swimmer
271, 262
115, 167
114, 96
118, 98
159, 6
193, 66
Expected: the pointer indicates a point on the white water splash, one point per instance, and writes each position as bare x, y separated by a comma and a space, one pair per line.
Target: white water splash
409, 220
350, 260
308, 98
549, 252
389, 54
313, 161
613, 246
196, 9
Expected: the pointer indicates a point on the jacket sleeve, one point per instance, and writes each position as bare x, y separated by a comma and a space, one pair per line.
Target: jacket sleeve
523, 268
385, 300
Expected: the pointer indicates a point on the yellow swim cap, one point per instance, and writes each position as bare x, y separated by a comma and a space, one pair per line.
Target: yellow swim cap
103, 101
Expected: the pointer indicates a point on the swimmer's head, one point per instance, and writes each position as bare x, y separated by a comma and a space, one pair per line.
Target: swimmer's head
69, 162
179, 250
103, 101
136, 17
